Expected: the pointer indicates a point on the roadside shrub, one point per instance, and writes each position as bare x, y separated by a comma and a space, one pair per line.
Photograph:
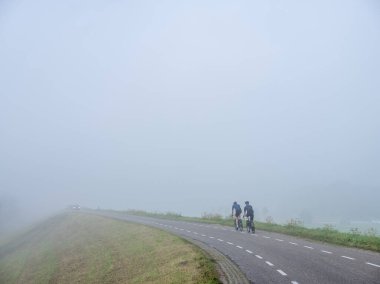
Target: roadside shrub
294, 223
371, 232
269, 220
173, 214
212, 216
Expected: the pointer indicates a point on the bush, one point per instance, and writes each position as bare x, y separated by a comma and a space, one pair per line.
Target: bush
212, 216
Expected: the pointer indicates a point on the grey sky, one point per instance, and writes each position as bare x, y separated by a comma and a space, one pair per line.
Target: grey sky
189, 105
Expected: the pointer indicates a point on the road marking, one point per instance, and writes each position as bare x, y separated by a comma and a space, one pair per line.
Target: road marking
351, 258
211, 237
220, 240
294, 282
326, 251
294, 244
248, 251
258, 256
176, 228
230, 243
266, 237
281, 272
239, 247
279, 240
195, 233
188, 231
308, 247
376, 265
203, 235
269, 263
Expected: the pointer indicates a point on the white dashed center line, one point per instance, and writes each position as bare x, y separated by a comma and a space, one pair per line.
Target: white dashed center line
230, 243
326, 251
308, 247
351, 258
239, 247
258, 256
281, 272
211, 237
294, 244
376, 265
248, 251
266, 237
279, 240
203, 235
220, 240
269, 263
294, 282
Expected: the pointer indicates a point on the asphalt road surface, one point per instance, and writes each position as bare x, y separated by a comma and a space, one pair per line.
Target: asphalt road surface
267, 257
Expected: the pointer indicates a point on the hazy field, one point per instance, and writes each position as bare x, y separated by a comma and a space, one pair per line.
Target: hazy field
81, 248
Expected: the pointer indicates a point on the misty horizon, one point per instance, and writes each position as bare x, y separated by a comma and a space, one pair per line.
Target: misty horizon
187, 107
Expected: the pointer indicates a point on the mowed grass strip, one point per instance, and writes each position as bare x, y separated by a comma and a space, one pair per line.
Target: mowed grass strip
85, 248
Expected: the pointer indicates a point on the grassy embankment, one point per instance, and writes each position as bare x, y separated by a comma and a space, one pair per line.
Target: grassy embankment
368, 240
84, 248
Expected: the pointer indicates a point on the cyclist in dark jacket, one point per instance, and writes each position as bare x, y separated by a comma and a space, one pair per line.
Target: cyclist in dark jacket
248, 210
249, 213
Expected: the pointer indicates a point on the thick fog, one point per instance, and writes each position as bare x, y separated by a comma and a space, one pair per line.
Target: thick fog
187, 106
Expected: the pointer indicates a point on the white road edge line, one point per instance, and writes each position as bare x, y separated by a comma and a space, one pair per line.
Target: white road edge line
248, 251
376, 265
351, 258
269, 263
258, 256
281, 272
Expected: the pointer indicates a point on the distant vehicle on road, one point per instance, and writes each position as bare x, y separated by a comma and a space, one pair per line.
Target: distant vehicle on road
75, 207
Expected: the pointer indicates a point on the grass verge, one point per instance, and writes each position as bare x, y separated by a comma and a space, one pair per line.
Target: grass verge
85, 248
354, 238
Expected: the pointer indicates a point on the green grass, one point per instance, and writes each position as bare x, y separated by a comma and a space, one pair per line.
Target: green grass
354, 238
85, 248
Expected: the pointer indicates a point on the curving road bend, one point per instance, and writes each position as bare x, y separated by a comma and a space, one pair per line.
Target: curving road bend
267, 257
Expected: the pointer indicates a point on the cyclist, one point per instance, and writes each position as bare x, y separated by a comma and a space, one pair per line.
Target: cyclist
236, 212
249, 213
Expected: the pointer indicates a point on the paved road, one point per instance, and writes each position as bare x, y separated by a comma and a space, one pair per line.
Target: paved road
275, 258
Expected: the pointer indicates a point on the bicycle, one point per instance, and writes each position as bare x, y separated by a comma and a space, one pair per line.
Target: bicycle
250, 225
239, 225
